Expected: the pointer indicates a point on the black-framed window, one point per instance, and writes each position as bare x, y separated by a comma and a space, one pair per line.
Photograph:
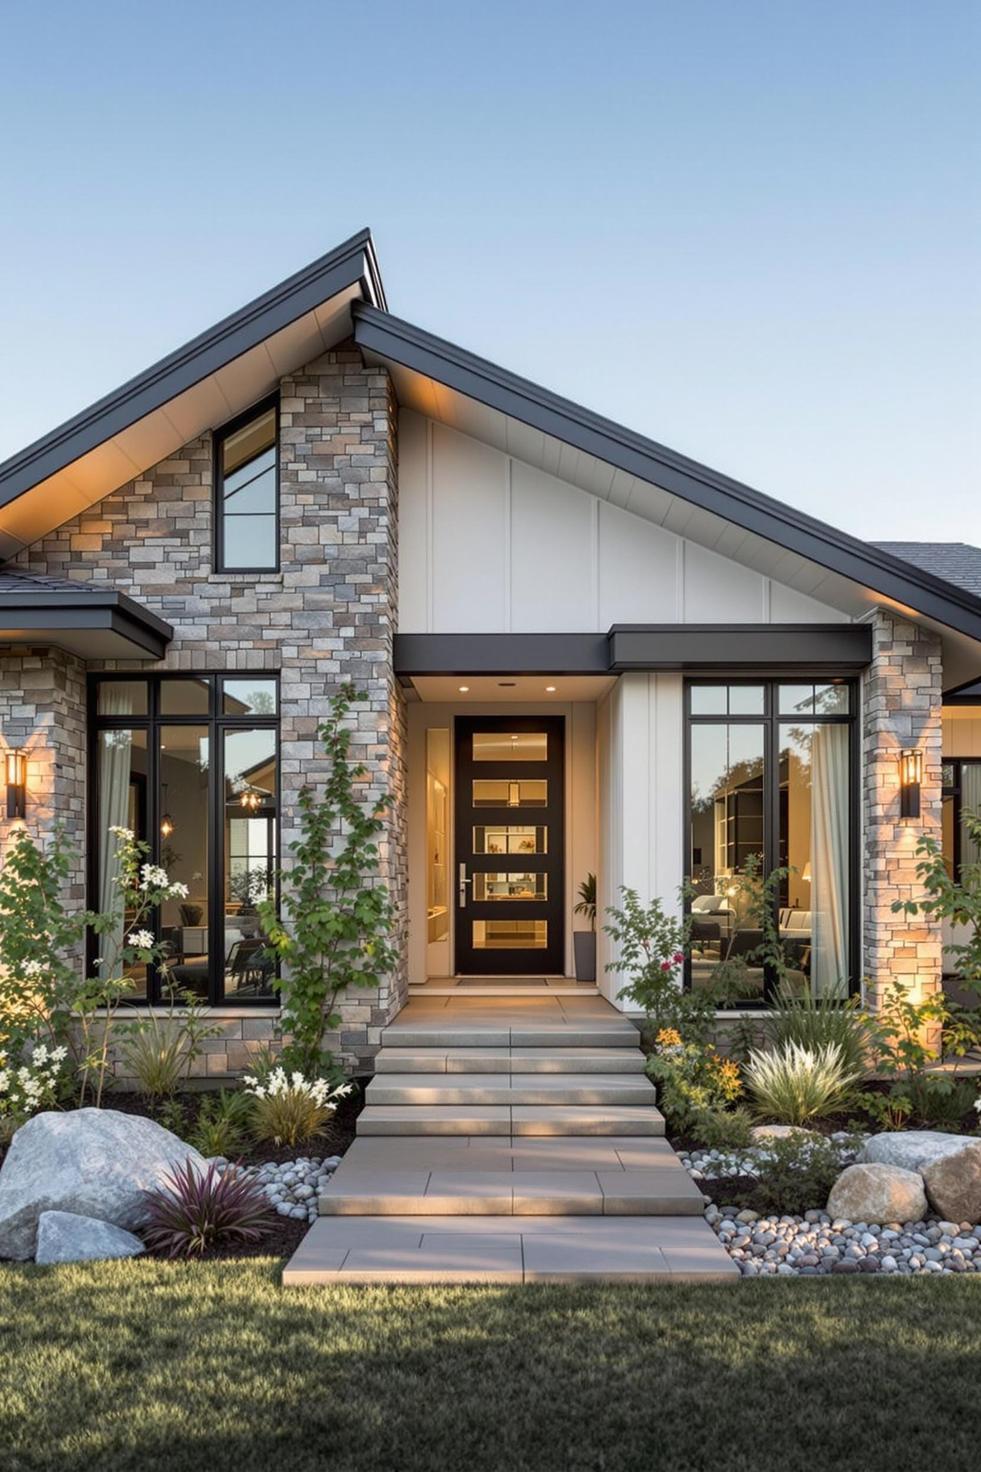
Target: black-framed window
247, 491
772, 783
190, 763
961, 794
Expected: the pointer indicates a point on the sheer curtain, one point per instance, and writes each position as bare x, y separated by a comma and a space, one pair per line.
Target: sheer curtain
970, 803
115, 761
829, 864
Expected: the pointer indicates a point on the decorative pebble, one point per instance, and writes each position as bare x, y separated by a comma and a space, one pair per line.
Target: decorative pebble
293, 1186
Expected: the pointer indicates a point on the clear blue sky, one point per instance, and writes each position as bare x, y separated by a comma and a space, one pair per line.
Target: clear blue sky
750, 230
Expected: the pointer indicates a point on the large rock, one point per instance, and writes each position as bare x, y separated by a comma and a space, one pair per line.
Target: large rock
912, 1149
953, 1184
64, 1237
878, 1193
93, 1162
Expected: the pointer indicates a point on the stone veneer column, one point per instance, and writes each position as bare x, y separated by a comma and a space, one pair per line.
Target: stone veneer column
42, 709
902, 703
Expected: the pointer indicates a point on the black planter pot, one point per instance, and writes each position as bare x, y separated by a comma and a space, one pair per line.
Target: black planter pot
584, 942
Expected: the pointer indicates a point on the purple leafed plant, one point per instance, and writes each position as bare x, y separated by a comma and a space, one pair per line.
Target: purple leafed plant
191, 1212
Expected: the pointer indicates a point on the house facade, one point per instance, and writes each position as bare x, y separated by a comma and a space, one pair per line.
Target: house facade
581, 654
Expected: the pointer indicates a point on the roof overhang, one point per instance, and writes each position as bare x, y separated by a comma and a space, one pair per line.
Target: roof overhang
92, 625
436, 377
206, 382
775, 648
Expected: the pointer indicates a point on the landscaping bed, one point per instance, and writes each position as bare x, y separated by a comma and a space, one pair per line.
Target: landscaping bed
145, 1366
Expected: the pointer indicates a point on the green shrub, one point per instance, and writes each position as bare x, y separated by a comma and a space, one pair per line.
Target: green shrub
816, 1022
939, 1101
796, 1174
723, 1129
222, 1123
792, 1084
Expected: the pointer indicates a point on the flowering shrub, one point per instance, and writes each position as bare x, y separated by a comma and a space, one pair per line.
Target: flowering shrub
651, 945
291, 1109
32, 1086
692, 1079
191, 1213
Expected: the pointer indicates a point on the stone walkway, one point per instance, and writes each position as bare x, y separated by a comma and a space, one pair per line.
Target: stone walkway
509, 1140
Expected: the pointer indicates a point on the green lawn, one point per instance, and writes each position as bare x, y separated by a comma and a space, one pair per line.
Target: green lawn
147, 1366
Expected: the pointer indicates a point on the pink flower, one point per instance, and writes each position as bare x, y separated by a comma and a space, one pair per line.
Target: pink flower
678, 957
666, 965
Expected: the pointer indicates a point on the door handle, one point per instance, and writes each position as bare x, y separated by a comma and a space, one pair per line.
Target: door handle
463, 882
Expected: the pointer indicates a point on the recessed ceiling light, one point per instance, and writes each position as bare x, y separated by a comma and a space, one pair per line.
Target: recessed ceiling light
463, 689
549, 689
506, 684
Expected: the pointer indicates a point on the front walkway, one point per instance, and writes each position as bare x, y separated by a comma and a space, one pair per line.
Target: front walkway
509, 1140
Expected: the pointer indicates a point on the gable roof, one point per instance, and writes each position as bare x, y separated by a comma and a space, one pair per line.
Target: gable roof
956, 562
394, 341
238, 361
206, 382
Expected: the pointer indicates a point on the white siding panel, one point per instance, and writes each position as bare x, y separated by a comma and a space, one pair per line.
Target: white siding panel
552, 557
720, 591
469, 534
637, 570
787, 606
413, 523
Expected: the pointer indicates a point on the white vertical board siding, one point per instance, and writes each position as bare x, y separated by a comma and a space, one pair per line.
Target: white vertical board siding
962, 735
491, 545
469, 530
641, 795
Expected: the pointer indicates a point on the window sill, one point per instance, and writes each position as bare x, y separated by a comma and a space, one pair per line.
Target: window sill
223, 1011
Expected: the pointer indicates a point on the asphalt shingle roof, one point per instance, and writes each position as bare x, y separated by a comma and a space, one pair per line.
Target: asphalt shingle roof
956, 562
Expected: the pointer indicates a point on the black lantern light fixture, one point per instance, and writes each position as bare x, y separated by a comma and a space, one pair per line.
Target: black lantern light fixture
16, 782
910, 778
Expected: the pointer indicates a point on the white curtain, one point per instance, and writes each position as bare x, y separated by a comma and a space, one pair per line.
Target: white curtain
829, 863
970, 803
115, 756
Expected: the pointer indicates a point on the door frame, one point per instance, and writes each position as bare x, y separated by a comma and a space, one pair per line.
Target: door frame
503, 962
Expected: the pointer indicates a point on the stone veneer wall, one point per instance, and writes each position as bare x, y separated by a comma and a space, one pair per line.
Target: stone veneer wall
902, 706
326, 617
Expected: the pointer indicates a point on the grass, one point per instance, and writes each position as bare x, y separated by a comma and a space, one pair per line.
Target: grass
149, 1365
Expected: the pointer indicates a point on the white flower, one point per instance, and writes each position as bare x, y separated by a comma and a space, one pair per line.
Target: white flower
178, 892
33, 968
124, 834
142, 940
153, 877
977, 1104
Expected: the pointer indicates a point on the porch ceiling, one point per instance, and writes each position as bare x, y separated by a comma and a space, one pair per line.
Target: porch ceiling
484, 689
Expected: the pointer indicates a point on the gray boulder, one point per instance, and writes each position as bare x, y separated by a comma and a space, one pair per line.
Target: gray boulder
912, 1149
92, 1162
62, 1236
877, 1193
953, 1184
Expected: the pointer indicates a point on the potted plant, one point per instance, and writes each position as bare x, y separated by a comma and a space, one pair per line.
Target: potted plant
584, 941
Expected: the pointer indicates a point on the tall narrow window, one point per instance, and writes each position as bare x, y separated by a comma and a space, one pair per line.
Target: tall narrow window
247, 493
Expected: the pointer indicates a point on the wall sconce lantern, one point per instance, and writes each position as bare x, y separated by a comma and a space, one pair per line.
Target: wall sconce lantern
250, 799
16, 782
910, 777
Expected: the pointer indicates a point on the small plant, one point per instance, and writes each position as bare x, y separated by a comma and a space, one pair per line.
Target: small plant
159, 1052
792, 1084
587, 900
337, 919
191, 1213
290, 1110
815, 1022
889, 1111
171, 1114
30, 1087
651, 949
691, 1078
796, 1174
222, 1123
939, 1101
723, 1129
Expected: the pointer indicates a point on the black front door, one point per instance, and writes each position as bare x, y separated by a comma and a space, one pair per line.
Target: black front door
509, 878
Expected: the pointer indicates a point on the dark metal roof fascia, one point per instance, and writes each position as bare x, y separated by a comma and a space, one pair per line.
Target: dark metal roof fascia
859, 561
346, 266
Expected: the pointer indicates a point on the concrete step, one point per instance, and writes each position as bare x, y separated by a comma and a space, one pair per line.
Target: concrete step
448, 1035
510, 1088
505, 1119
509, 1060
664, 1190
503, 989
508, 1249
